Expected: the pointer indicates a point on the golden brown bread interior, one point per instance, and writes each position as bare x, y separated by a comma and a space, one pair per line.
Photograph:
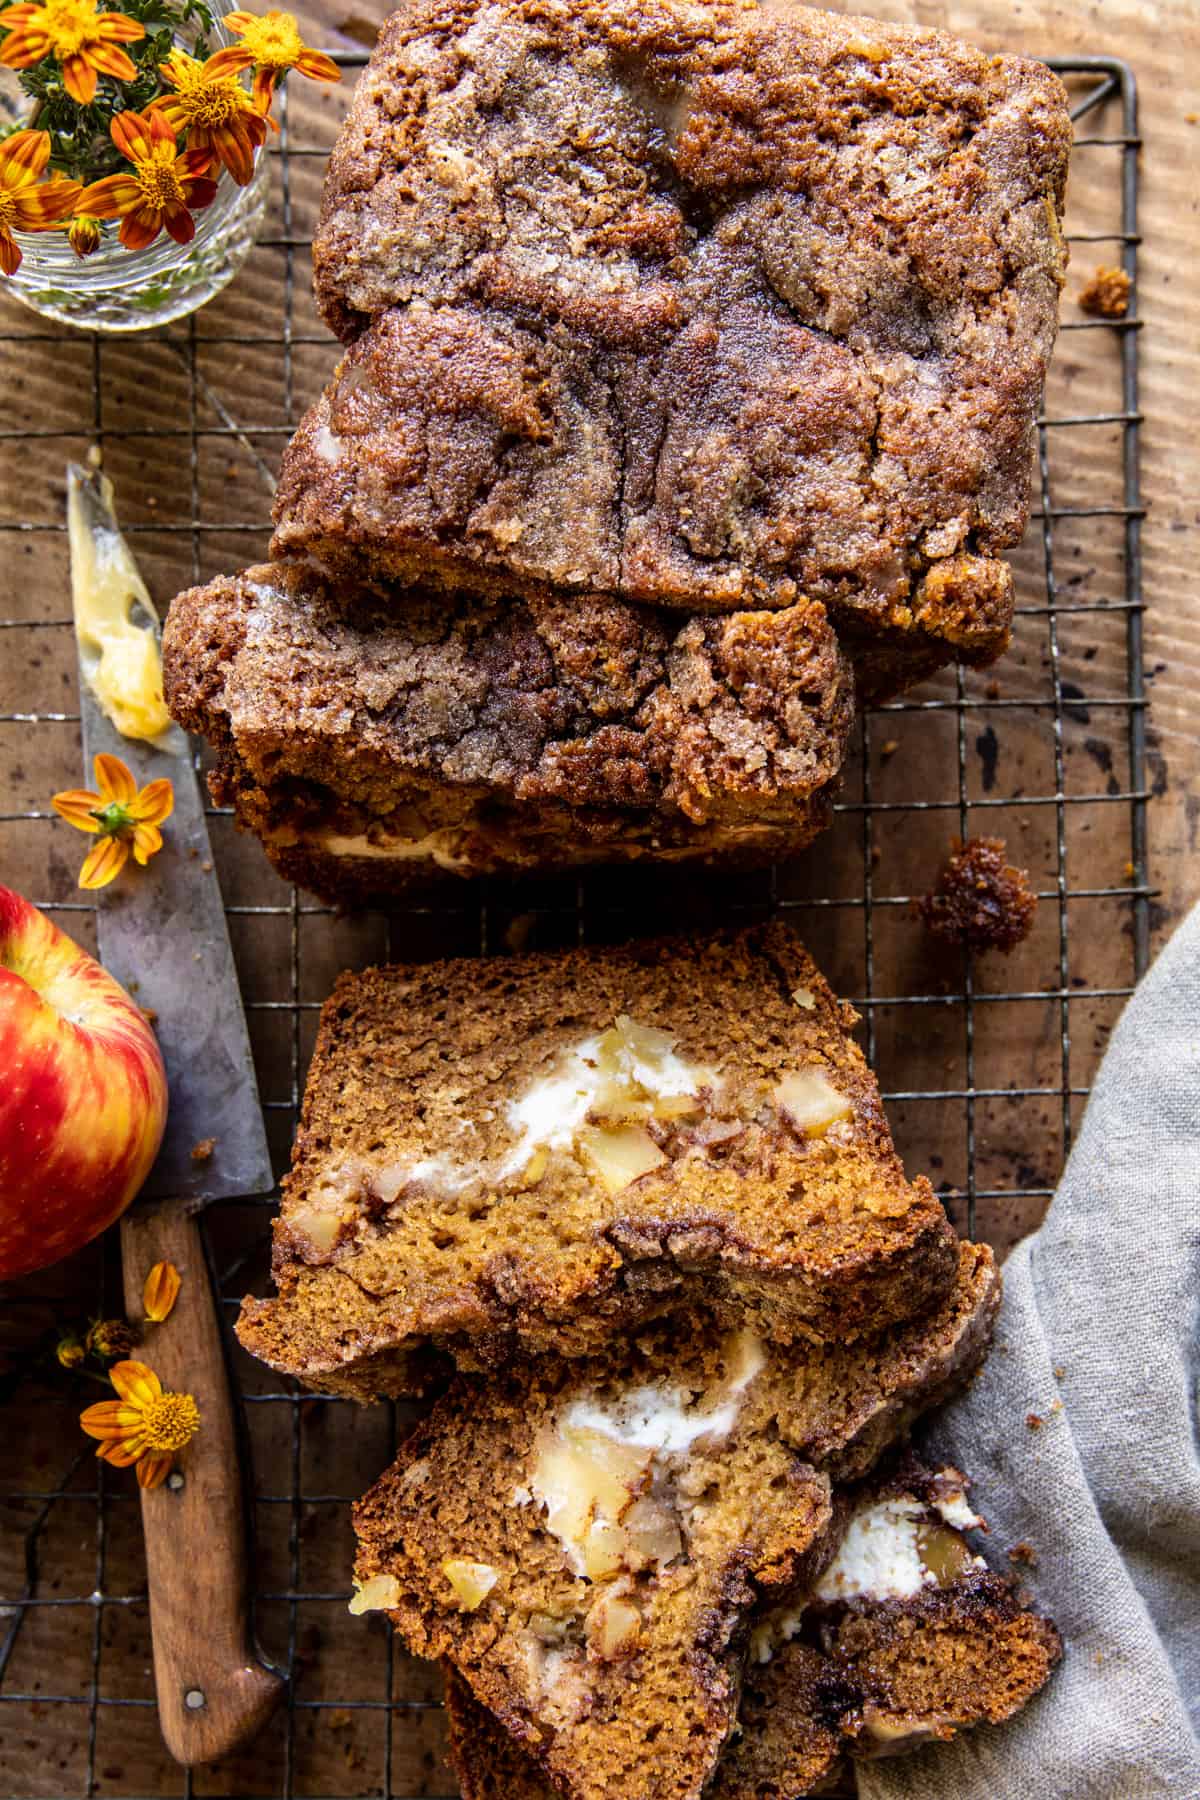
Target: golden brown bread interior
587, 1541
541, 1152
864, 1677
711, 306
376, 745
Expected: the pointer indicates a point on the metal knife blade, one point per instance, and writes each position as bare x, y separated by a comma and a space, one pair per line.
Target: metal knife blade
162, 933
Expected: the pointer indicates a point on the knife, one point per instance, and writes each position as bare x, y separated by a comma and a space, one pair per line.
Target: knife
162, 933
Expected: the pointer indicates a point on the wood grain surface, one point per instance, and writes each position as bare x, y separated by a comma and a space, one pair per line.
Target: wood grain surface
77, 1690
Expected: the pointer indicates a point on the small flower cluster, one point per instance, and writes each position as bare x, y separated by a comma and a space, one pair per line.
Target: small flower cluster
146, 1426
114, 1340
195, 118
103, 1341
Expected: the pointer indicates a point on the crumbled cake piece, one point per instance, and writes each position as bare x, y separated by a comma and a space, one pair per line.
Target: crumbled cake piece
981, 901
374, 746
706, 305
932, 1640
586, 1540
873, 1674
544, 1151
1105, 294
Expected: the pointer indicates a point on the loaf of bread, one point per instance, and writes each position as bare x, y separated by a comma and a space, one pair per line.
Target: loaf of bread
702, 303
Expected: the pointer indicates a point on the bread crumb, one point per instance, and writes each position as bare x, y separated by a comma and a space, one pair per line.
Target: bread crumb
980, 900
1034, 1421
202, 1151
1106, 294
1025, 1554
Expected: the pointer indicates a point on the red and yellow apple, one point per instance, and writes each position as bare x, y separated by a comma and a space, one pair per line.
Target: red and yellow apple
83, 1092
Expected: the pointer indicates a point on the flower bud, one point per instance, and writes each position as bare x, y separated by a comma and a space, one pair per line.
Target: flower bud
111, 1339
84, 236
70, 1352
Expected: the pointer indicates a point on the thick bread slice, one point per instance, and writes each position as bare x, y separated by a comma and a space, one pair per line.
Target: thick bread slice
707, 305
542, 1152
586, 1542
375, 744
867, 1676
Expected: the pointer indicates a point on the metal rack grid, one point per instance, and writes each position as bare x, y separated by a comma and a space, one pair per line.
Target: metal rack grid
384, 1719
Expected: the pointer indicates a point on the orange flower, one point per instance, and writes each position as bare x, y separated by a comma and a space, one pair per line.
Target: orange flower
26, 202
161, 1291
124, 819
84, 41
162, 192
271, 45
215, 111
145, 1426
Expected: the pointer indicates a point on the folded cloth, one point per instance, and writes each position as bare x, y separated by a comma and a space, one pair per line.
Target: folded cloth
1081, 1436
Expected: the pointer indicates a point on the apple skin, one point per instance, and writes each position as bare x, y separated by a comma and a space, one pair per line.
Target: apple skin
83, 1093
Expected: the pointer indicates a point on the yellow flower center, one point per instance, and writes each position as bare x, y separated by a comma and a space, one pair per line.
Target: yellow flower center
159, 180
275, 41
211, 100
69, 25
170, 1421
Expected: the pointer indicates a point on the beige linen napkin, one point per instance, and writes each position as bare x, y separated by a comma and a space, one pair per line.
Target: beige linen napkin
1081, 1437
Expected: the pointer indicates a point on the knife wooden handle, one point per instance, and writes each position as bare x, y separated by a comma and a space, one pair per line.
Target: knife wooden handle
213, 1694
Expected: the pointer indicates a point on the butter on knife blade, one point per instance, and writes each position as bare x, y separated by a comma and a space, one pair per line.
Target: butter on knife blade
116, 625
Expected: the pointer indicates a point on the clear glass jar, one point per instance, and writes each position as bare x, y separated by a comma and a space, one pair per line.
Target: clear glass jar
116, 289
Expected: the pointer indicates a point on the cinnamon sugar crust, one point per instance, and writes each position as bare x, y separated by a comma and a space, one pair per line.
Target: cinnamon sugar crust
458, 737
709, 306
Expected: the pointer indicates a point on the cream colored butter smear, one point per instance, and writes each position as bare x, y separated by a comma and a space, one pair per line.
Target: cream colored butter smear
118, 651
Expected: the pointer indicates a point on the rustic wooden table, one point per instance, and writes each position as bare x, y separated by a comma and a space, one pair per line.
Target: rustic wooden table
983, 1094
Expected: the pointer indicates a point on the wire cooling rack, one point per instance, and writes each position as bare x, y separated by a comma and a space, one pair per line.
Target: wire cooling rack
985, 1064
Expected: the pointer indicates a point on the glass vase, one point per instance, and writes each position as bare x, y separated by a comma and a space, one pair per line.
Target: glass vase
116, 289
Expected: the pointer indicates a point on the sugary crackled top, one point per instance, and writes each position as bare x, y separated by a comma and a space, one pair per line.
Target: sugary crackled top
754, 297
602, 704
